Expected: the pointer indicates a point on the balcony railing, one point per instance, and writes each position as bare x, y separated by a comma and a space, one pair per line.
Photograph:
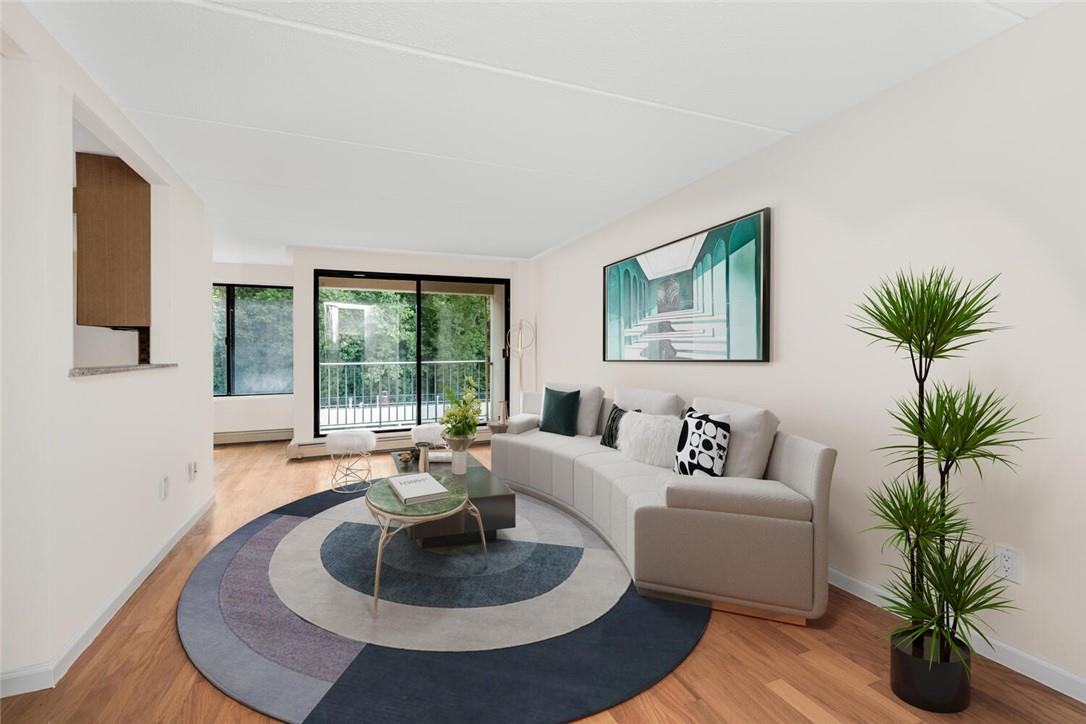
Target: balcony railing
383, 394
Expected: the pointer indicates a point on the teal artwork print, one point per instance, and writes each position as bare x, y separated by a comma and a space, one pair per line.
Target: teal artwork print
704, 297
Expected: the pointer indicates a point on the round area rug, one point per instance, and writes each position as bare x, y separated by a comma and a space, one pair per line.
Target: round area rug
280, 617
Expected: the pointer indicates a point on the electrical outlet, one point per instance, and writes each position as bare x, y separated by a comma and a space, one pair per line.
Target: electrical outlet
164, 487
1010, 563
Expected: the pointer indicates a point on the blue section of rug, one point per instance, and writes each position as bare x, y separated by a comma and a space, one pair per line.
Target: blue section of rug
515, 570
568, 677
311, 505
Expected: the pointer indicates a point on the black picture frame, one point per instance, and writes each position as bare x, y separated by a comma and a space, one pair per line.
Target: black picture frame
673, 349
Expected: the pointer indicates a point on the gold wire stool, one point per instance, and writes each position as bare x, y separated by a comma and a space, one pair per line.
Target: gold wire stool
350, 451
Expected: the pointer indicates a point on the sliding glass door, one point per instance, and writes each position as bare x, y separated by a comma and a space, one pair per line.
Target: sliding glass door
389, 347
366, 353
457, 325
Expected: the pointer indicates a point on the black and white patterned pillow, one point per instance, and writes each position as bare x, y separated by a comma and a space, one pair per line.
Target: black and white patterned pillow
703, 444
610, 428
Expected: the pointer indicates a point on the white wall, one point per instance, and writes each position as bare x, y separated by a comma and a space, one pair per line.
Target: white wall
272, 274
248, 413
104, 347
254, 413
82, 457
979, 164
308, 259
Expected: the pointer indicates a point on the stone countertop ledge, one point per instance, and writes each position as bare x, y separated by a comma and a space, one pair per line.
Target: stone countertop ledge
115, 369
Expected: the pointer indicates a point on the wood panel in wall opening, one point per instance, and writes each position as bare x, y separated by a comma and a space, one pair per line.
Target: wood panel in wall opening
113, 243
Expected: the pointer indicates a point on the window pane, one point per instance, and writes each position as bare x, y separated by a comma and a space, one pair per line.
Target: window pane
456, 343
218, 340
366, 339
263, 340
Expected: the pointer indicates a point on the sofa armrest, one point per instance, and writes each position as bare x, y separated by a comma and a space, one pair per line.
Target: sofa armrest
742, 496
803, 465
522, 423
807, 467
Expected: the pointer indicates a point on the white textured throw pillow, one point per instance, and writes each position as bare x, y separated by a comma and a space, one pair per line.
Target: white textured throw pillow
649, 438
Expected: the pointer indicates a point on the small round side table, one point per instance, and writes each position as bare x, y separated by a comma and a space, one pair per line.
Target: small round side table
387, 509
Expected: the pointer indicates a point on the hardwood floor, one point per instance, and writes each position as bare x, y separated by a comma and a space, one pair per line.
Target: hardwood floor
743, 670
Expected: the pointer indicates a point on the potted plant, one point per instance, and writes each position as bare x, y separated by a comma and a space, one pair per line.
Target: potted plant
945, 580
461, 420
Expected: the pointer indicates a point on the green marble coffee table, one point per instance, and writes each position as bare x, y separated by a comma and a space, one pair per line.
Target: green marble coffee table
387, 509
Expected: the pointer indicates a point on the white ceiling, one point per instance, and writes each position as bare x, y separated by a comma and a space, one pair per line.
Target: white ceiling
496, 129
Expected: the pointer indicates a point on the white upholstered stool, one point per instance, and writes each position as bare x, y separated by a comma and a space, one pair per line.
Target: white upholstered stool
350, 451
430, 434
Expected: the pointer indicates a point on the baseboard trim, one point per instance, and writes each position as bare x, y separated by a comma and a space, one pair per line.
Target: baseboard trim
240, 436
26, 680
46, 676
1028, 665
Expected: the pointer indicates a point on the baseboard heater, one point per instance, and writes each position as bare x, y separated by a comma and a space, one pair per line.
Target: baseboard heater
240, 436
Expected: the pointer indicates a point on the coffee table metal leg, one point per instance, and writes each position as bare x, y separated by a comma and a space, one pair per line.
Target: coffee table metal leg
380, 553
482, 533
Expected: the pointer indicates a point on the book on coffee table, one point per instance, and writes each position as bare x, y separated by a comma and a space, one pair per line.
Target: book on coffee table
417, 488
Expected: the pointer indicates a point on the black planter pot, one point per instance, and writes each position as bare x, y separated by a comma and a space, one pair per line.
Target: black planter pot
941, 687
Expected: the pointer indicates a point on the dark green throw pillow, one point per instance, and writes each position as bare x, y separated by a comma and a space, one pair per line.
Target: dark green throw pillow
560, 411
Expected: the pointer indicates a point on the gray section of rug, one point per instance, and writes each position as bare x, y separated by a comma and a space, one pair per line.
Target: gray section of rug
303, 583
259, 618
226, 660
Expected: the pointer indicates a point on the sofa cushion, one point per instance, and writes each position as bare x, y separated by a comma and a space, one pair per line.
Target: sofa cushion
559, 412
597, 475
605, 412
538, 459
588, 410
522, 423
744, 496
703, 444
752, 432
628, 495
652, 402
649, 439
531, 402
537, 440
565, 458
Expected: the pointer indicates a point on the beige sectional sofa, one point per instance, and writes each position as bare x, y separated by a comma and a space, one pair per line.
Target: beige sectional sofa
756, 540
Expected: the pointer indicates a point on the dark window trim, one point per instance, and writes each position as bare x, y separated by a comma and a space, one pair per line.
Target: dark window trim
418, 279
229, 341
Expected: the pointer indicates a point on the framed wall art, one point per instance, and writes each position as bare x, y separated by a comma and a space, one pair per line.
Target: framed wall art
701, 298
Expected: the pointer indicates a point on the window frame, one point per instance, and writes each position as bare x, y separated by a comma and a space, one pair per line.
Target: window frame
229, 340
418, 279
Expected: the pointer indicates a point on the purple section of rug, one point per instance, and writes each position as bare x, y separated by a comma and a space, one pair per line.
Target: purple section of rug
257, 616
